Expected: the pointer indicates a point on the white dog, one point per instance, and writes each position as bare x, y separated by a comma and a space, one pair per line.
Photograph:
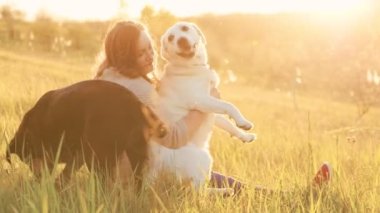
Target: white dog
184, 86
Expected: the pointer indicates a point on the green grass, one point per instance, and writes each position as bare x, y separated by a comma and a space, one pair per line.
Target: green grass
292, 143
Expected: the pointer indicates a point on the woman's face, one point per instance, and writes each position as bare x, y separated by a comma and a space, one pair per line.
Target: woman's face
145, 54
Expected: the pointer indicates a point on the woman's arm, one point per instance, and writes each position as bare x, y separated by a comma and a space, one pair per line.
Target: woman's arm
179, 133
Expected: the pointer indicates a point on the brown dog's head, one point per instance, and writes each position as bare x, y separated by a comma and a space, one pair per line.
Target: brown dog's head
21, 142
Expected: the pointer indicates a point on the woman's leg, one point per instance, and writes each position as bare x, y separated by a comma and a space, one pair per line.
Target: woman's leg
218, 180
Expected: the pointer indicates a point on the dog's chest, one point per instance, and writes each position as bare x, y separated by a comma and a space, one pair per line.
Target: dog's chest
184, 87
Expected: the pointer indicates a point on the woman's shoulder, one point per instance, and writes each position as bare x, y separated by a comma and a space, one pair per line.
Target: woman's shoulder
111, 74
143, 89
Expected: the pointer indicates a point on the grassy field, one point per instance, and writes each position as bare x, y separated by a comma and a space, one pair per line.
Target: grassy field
294, 139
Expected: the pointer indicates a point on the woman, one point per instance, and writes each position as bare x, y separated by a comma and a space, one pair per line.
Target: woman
128, 59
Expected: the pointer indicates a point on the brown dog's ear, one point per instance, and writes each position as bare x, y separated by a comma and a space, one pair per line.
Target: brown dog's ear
155, 125
149, 116
200, 33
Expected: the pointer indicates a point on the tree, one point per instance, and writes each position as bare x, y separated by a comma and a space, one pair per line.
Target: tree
45, 30
157, 21
11, 16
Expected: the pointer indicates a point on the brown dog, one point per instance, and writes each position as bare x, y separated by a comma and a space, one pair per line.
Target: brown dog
94, 122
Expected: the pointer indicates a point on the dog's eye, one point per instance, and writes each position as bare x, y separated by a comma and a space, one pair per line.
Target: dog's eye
184, 28
170, 38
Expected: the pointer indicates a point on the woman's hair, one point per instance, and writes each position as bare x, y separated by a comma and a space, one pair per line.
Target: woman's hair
120, 49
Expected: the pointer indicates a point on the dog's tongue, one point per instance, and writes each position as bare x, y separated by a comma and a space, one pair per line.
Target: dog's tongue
186, 54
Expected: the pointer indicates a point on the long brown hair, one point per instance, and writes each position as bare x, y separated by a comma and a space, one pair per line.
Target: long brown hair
120, 49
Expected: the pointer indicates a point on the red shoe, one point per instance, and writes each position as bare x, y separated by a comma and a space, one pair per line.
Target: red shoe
323, 175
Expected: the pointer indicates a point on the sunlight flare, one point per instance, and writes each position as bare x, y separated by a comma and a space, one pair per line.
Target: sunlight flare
101, 10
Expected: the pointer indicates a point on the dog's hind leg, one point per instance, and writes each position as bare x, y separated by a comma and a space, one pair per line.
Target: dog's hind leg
225, 124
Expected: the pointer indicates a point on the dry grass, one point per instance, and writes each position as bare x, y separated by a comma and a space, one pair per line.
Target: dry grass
292, 143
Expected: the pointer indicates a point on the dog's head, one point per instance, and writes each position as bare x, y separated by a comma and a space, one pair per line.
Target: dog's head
184, 43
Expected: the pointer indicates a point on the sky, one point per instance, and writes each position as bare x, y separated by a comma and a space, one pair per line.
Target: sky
105, 9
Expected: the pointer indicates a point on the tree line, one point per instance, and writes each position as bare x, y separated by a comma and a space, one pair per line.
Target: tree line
281, 51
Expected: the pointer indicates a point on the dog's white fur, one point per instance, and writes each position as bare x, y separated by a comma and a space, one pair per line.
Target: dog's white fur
184, 86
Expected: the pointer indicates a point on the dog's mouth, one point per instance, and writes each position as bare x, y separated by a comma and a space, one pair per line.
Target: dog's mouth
186, 54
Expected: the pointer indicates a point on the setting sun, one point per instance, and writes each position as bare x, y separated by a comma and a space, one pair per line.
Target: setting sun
101, 10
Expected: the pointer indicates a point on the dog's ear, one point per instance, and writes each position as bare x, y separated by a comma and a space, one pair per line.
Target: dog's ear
155, 126
163, 49
199, 33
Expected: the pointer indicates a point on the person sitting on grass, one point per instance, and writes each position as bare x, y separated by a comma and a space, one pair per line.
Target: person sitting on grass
129, 57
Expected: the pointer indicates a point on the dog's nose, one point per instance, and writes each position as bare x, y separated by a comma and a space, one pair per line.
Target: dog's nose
184, 44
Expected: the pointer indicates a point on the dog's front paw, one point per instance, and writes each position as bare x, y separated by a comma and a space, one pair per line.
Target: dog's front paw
248, 137
244, 124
